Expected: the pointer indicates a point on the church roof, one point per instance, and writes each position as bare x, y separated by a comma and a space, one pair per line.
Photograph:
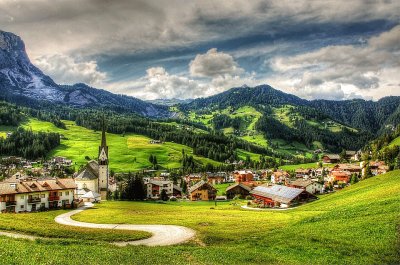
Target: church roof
91, 171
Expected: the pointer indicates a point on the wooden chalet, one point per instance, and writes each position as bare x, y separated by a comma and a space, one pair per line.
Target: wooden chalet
343, 176
202, 191
280, 196
310, 186
243, 176
238, 189
303, 173
352, 168
331, 158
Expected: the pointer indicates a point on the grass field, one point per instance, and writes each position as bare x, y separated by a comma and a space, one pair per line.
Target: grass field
42, 224
357, 225
395, 142
129, 152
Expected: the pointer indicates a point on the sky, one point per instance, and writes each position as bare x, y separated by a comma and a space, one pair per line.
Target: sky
188, 49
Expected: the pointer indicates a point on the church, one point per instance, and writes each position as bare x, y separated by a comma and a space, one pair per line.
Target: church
93, 179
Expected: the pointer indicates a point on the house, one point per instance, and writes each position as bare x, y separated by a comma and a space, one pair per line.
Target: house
95, 175
280, 196
377, 167
343, 176
237, 189
279, 177
216, 178
351, 155
352, 168
202, 191
331, 158
155, 187
91, 196
193, 178
303, 173
243, 176
177, 191
310, 186
32, 194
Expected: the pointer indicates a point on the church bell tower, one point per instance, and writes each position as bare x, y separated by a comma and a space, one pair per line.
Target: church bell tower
103, 164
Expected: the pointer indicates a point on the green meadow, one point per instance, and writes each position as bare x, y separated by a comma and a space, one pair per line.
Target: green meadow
357, 225
395, 142
127, 152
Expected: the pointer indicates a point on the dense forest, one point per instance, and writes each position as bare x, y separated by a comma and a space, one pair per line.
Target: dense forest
28, 144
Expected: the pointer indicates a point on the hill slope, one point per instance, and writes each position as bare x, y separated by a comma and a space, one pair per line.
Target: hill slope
292, 124
129, 152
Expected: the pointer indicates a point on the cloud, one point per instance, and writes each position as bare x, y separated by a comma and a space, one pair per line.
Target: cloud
66, 70
214, 63
103, 27
360, 67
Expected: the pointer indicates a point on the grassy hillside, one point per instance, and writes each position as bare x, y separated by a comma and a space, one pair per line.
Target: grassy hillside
395, 142
358, 225
127, 152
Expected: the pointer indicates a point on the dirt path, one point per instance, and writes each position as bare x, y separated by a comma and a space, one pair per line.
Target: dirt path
163, 235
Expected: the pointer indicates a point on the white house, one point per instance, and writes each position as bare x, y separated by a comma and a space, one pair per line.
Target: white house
155, 187
32, 194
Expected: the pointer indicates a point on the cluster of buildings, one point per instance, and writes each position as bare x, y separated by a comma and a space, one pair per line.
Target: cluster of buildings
279, 188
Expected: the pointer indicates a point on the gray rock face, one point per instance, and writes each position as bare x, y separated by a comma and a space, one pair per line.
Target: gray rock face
19, 77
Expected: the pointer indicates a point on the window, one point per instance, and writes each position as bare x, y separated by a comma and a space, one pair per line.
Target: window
22, 207
22, 197
60, 194
67, 193
42, 195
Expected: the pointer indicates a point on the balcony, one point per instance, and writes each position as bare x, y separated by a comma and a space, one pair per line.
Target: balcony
34, 200
54, 198
10, 203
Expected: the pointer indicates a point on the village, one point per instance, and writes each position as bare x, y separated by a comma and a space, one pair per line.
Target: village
33, 188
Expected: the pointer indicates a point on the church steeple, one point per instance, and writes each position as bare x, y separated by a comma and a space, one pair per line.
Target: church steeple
103, 148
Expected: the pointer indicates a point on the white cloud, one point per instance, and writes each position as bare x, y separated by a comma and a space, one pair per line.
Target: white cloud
214, 63
158, 83
66, 70
353, 69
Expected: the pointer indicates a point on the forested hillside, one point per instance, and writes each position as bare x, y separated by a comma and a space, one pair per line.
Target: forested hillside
285, 118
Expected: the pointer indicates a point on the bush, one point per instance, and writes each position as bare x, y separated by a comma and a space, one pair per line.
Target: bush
248, 197
173, 199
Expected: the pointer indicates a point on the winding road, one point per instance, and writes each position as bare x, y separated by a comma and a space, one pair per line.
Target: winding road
163, 235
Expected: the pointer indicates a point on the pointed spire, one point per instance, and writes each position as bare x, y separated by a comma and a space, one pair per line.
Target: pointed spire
103, 133
103, 148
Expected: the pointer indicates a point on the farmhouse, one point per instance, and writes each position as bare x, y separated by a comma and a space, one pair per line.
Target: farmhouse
310, 186
343, 176
31, 194
303, 173
237, 189
331, 158
243, 176
202, 191
279, 177
216, 178
352, 168
155, 187
280, 196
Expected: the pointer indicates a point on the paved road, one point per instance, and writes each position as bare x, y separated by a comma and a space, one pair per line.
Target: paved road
163, 235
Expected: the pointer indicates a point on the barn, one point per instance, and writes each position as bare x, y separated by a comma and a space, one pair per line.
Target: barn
280, 196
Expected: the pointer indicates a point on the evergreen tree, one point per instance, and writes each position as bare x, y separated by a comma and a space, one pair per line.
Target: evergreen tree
164, 195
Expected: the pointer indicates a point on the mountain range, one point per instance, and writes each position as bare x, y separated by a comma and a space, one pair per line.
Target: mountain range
21, 81
269, 114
